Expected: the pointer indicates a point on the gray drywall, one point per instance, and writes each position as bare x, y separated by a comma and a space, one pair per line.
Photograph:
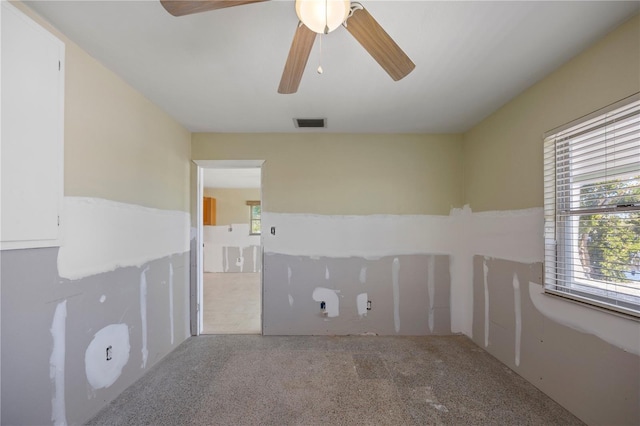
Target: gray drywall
240, 259
31, 292
290, 308
598, 382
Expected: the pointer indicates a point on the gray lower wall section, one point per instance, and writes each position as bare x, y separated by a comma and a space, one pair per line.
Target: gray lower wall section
409, 294
31, 291
598, 382
241, 259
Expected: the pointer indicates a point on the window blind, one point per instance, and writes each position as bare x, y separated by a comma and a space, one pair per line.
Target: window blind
592, 208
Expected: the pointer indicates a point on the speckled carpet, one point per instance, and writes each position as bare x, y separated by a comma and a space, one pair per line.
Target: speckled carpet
356, 380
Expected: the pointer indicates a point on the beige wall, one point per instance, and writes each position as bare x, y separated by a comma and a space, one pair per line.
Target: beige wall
347, 174
503, 154
231, 203
118, 145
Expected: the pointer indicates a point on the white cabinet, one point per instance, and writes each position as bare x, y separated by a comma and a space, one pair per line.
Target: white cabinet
32, 138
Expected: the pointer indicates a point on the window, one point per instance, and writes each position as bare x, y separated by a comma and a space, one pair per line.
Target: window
254, 217
592, 209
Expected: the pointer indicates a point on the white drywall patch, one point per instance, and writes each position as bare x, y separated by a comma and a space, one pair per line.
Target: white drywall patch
101, 235
290, 300
255, 258
289, 275
106, 355
431, 288
143, 315
620, 332
372, 236
363, 274
103, 298
327, 276
361, 303
395, 272
56, 364
171, 301
330, 298
485, 270
218, 238
518, 310
510, 235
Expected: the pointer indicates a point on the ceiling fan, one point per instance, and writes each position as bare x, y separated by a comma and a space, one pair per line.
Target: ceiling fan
317, 17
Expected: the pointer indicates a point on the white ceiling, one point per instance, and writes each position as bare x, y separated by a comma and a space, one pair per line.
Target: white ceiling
231, 178
219, 71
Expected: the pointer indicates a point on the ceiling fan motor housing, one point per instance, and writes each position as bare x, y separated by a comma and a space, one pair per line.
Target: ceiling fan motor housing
322, 16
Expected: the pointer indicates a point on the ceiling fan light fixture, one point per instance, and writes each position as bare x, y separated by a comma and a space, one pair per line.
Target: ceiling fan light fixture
322, 16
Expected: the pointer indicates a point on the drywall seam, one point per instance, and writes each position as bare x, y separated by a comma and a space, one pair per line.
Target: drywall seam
431, 288
143, 316
622, 333
255, 258
395, 272
171, 302
56, 364
518, 313
486, 302
100, 235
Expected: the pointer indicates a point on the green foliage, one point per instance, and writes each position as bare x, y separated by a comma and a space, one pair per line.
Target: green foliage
612, 239
255, 219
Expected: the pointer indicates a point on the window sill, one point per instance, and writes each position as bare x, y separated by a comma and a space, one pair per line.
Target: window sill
592, 304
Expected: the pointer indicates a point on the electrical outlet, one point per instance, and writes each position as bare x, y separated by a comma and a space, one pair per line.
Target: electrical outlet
109, 353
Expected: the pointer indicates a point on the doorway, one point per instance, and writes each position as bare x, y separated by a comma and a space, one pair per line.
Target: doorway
230, 243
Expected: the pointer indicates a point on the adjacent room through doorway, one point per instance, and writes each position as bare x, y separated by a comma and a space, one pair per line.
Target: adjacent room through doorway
231, 299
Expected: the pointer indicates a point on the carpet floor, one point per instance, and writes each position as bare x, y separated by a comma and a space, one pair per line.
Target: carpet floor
355, 380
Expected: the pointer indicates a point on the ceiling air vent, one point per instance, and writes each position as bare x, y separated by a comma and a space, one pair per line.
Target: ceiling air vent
310, 122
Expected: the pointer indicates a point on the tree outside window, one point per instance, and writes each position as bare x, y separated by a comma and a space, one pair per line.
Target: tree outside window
254, 220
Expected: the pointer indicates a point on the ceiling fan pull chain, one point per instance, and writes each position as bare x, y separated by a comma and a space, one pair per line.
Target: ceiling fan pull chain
320, 70
326, 16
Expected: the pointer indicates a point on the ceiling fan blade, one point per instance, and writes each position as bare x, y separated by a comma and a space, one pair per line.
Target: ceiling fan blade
379, 44
297, 59
188, 7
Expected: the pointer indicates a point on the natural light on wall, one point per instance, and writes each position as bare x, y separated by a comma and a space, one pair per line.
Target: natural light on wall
592, 209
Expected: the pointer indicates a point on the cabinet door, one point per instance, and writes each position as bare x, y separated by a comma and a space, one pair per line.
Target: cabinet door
32, 132
209, 213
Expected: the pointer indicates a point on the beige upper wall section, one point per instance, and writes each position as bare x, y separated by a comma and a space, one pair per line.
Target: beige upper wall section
502, 155
347, 174
231, 203
118, 145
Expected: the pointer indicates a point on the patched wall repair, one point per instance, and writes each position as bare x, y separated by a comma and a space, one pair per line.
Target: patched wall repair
397, 287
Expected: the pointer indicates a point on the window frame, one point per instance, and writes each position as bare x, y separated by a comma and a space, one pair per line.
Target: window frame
251, 205
563, 212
